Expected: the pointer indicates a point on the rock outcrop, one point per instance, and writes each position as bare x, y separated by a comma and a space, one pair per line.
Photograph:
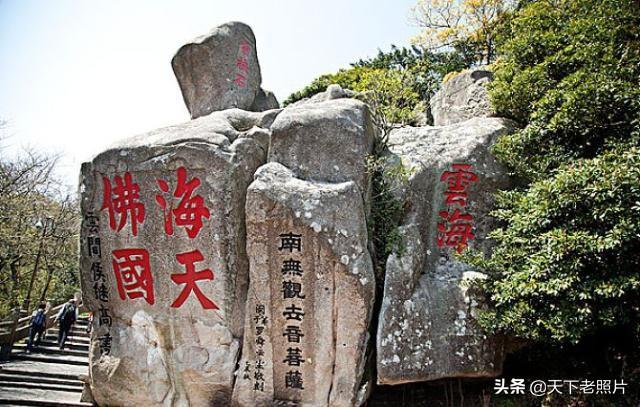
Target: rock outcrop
311, 292
426, 326
265, 100
326, 140
462, 97
309, 306
333, 91
247, 227
163, 263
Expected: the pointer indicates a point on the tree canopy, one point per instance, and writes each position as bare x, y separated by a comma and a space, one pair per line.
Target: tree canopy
398, 83
567, 258
470, 25
38, 231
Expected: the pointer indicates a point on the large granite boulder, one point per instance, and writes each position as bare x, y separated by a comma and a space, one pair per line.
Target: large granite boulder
426, 327
311, 292
325, 141
163, 261
219, 70
462, 97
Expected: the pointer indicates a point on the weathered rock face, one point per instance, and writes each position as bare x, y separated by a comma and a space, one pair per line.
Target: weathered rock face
219, 70
265, 100
176, 221
334, 91
324, 141
462, 97
163, 260
311, 292
426, 328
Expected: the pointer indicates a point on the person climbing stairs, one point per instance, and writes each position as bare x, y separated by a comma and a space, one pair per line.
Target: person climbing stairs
47, 376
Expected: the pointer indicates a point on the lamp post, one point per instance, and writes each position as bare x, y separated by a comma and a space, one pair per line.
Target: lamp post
48, 224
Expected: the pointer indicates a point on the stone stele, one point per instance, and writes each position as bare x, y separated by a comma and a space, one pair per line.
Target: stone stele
163, 261
311, 292
220, 71
426, 327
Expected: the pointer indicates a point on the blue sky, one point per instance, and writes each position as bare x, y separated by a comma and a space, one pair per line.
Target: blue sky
75, 76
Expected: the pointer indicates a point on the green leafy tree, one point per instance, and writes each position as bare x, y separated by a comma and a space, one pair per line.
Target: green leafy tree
567, 258
426, 68
466, 25
399, 82
38, 233
392, 100
389, 93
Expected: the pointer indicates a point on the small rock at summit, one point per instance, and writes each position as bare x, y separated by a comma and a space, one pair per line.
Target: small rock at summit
462, 97
265, 100
219, 70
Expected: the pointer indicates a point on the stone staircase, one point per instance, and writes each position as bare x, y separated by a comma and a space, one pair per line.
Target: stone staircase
47, 376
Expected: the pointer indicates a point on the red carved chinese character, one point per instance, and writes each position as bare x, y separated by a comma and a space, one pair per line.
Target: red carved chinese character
457, 183
242, 64
133, 274
189, 279
245, 48
123, 200
458, 230
190, 210
240, 80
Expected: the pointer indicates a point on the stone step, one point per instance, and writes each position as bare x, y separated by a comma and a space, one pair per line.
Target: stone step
51, 358
41, 386
73, 342
53, 336
75, 336
22, 347
79, 324
68, 345
25, 377
44, 369
39, 397
73, 332
78, 339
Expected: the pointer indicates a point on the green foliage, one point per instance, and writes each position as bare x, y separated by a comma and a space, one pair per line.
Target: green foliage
567, 258
469, 25
426, 68
38, 231
567, 262
403, 78
391, 99
570, 74
387, 179
346, 78
389, 93
396, 58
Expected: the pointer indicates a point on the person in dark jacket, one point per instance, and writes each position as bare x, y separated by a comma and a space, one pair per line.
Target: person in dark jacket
66, 318
37, 327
